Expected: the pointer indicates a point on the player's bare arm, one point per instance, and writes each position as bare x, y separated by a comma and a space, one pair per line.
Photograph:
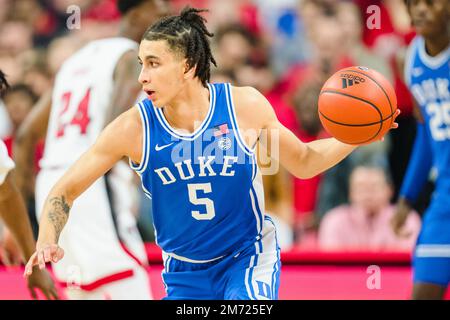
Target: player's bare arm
122, 138
13, 212
30, 132
303, 160
404, 206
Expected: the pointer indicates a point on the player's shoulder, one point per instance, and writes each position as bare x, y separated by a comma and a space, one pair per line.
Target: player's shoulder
409, 59
246, 95
413, 47
251, 103
130, 120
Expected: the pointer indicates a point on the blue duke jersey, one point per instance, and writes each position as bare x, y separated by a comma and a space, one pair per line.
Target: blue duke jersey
206, 187
428, 79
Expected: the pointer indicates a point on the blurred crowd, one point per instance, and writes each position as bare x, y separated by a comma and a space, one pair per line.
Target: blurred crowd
284, 48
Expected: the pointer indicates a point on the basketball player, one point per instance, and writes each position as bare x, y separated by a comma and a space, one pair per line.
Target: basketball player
427, 75
106, 256
191, 142
13, 212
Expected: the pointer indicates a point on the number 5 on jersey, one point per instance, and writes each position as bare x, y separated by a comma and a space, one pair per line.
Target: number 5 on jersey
81, 117
194, 199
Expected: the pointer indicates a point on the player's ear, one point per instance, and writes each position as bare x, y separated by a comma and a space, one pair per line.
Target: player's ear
189, 71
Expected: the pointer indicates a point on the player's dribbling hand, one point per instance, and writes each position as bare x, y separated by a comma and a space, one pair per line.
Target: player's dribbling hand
44, 254
40, 279
398, 220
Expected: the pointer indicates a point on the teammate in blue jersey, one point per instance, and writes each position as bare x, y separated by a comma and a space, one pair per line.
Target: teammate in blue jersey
193, 145
427, 73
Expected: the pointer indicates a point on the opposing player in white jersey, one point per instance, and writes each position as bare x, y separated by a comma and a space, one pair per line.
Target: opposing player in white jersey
13, 213
107, 255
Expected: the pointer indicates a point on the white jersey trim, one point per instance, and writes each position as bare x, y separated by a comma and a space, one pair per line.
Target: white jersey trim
231, 111
145, 141
409, 61
432, 62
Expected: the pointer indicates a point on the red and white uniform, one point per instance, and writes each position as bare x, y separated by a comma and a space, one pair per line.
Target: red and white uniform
102, 245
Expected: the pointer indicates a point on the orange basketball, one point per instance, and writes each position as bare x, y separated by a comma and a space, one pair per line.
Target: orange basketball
357, 105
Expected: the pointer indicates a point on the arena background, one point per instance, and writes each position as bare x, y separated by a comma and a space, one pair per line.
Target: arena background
286, 49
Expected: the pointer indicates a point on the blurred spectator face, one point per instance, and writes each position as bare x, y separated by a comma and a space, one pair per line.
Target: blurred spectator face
15, 37
327, 37
350, 22
18, 102
309, 11
429, 18
233, 50
369, 189
223, 13
27, 11
12, 68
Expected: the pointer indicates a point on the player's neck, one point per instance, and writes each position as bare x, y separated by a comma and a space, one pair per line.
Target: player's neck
437, 44
189, 108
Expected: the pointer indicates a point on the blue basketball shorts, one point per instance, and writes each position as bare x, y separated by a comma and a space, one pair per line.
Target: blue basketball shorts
431, 261
251, 273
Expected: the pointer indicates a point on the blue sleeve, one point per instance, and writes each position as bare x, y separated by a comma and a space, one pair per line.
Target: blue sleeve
419, 165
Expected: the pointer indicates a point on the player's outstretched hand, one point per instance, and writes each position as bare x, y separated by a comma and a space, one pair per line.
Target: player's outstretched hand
394, 124
45, 254
40, 279
398, 220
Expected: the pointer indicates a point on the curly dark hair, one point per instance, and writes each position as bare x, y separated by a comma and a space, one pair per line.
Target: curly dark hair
186, 34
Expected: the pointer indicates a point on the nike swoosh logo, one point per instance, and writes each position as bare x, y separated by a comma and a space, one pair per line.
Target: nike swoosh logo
159, 148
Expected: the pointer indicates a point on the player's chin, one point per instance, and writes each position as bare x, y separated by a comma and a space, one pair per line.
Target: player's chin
157, 103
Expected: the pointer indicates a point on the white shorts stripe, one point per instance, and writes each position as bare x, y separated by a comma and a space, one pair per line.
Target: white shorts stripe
255, 212
433, 251
248, 280
261, 274
177, 257
275, 266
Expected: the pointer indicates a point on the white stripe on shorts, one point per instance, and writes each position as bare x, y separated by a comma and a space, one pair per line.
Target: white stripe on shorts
433, 251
